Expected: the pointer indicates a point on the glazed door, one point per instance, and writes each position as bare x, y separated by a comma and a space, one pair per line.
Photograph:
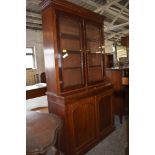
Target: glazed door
70, 51
94, 52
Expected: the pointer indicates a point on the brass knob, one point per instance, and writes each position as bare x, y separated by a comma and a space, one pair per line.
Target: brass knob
64, 50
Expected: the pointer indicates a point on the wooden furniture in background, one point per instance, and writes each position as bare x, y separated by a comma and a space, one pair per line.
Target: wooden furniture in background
36, 90
119, 78
108, 60
42, 132
125, 84
74, 66
43, 77
125, 41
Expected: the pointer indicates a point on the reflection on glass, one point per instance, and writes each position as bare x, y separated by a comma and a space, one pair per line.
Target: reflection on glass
65, 55
121, 52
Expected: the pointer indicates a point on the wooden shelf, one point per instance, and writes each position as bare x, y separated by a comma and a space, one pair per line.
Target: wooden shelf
69, 36
72, 67
92, 40
94, 66
72, 51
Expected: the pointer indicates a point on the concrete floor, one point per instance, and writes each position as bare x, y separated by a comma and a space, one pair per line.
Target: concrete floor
116, 143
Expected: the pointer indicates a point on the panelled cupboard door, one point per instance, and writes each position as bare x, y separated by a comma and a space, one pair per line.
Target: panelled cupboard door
82, 120
94, 52
70, 51
104, 113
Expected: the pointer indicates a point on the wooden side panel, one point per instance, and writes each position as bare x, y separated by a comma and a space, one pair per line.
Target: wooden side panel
50, 49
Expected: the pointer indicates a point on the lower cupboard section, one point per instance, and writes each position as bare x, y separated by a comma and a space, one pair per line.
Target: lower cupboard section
87, 121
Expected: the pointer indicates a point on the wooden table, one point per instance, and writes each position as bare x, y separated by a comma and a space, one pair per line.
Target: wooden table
42, 132
119, 77
36, 90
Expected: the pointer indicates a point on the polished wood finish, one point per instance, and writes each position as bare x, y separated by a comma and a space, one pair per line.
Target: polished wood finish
125, 41
75, 47
121, 91
71, 8
83, 126
88, 117
43, 77
75, 75
93, 43
35, 92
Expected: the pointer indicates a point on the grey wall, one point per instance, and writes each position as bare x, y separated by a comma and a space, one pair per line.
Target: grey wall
35, 38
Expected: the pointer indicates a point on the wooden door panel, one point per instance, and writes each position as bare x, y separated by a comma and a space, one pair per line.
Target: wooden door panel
94, 51
105, 112
70, 51
83, 121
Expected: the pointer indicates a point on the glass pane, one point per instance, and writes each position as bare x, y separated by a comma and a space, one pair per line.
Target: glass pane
69, 28
68, 44
93, 38
29, 61
69, 25
93, 47
71, 60
95, 74
72, 77
121, 53
93, 32
94, 54
94, 59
